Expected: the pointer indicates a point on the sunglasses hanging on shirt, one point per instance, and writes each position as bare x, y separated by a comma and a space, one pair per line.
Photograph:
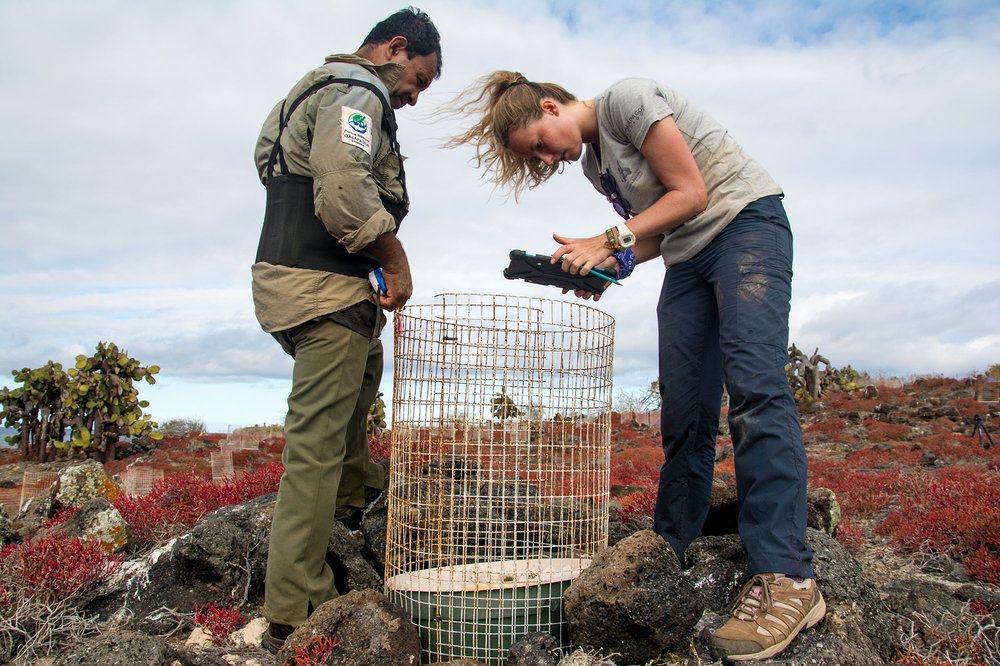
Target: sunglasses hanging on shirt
620, 203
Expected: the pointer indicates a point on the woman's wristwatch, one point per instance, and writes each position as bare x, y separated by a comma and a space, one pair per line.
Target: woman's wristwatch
619, 238
625, 237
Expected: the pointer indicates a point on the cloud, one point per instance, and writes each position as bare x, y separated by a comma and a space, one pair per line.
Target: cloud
130, 207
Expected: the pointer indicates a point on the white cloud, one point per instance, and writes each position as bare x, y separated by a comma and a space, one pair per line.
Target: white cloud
130, 207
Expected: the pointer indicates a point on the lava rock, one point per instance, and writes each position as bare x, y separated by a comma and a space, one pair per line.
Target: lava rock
633, 600
369, 630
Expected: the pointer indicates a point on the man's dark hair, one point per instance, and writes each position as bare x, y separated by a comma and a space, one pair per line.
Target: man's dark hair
421, 36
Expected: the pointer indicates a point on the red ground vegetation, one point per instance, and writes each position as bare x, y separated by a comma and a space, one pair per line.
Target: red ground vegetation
52, 567
906, 473
378, 445
316, 653
637, 504
826, 429
953, 510
902, 464
880, 431
177, 502
219, 621
833, 403
637, 466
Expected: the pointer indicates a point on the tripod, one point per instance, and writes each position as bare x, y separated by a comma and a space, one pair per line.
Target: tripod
984, 435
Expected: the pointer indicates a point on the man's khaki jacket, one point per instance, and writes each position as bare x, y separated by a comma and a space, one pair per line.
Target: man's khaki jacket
348, 185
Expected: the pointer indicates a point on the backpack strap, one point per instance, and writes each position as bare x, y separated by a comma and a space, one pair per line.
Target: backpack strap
388, 121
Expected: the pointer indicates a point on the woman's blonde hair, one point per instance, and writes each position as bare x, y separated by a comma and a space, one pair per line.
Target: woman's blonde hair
504, 101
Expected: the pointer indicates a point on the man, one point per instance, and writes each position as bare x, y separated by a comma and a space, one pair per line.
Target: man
336, 194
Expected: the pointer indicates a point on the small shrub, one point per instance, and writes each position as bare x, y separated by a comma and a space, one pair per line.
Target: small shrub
173, 505
968, 408
853, 401
725, 469
61, 517
955, 510
982, 608
258, 433
970, 638
375, 424
378, 446
637, 505
316, 654
503, 406
880, 431
984, 564
55, 567
273, 446
182, 427
883, 456
219, 621
178, 501
951, 447
637, 466
41, 581
826, 429
246, 486
861, 494
628, 474
851, 536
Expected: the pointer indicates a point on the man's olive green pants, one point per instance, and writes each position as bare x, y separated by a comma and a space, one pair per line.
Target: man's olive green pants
334, 382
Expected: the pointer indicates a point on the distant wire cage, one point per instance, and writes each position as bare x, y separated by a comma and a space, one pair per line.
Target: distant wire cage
499, 491
987, 388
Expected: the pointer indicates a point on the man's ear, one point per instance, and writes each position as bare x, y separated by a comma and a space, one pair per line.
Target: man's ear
397, 45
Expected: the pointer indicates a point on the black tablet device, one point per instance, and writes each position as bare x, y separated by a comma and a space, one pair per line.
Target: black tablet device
537, 269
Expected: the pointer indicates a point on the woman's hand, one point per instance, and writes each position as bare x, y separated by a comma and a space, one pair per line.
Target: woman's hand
579, 255
608, 266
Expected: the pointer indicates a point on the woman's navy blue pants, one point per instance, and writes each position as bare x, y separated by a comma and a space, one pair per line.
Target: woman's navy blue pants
723, 318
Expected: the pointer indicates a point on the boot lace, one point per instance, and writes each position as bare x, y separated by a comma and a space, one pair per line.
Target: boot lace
754, 597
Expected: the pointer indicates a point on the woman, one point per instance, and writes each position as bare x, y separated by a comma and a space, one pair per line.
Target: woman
687, 193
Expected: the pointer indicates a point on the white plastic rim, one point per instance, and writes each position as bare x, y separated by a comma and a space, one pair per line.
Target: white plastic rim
482, 576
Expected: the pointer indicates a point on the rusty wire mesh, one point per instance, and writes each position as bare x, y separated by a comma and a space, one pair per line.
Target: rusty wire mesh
987, 389
500, 466
140, 480
33, 483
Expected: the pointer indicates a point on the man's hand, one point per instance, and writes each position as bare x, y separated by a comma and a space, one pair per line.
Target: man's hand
398, 284
395, 269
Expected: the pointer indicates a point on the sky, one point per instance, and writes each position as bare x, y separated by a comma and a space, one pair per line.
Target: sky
130, 207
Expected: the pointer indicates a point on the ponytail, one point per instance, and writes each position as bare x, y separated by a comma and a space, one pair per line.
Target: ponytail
504, 101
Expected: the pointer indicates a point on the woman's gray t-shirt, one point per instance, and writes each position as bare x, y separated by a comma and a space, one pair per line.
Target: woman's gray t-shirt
625, 112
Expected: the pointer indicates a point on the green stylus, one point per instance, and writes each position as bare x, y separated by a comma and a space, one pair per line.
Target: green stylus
599, 274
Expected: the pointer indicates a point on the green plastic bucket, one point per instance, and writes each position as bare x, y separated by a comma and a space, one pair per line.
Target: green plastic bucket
478, 611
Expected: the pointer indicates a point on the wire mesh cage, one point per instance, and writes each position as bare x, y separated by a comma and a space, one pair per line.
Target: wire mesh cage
499, 488
987, 388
